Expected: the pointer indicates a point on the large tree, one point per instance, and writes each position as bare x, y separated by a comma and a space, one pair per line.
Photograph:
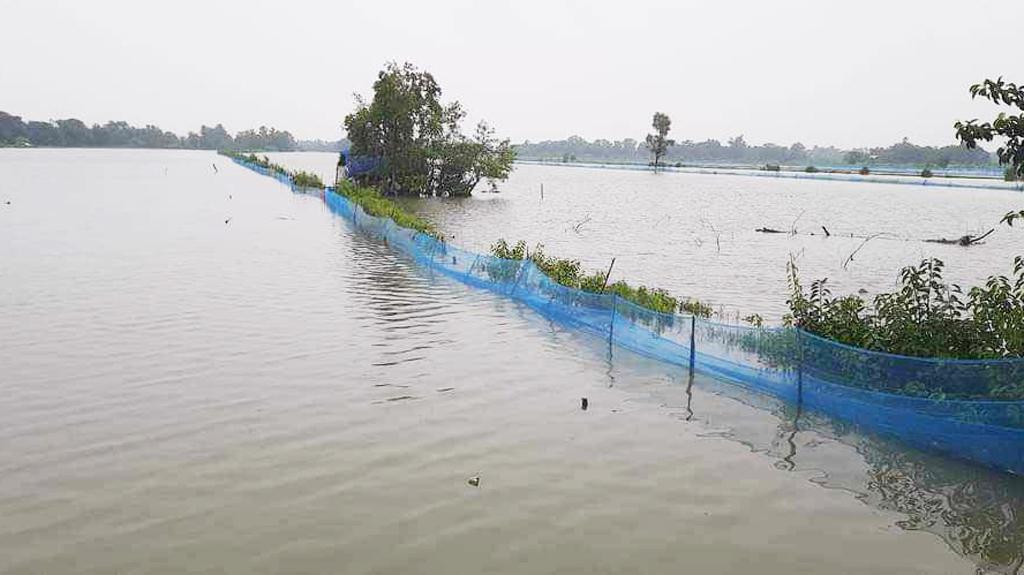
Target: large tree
418, 141
1008, 127
658, 142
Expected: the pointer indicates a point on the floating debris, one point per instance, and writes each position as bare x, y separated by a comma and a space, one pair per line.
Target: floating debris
584, 403
474, 481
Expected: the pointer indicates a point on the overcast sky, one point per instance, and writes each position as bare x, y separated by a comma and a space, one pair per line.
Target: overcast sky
853, 73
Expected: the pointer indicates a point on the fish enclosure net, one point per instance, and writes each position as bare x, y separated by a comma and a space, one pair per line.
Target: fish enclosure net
963, 408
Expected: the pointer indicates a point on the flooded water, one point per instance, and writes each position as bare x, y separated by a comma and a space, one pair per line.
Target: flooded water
693, 234
202, 371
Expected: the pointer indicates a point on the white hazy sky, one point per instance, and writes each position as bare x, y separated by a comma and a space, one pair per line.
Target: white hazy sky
853, 73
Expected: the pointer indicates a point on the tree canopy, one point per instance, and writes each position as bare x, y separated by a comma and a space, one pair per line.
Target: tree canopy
658, 142
1008, 127
419, 140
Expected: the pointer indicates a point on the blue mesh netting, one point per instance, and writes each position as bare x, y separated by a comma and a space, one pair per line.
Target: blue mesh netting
899, 396
359, 165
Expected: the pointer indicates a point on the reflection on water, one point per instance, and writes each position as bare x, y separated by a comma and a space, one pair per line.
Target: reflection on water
977, 512
279, 394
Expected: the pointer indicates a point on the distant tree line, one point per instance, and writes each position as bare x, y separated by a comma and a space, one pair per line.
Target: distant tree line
73, 133
738, 151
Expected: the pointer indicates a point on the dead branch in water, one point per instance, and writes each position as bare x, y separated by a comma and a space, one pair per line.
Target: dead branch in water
714, 230
966, 240
862, 244
792, 227
580, 223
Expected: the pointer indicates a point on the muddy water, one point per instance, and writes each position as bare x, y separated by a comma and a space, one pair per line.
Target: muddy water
693, 234
205, 372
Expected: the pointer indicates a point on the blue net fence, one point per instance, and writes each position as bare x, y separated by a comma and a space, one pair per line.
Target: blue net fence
360, 165
897, 396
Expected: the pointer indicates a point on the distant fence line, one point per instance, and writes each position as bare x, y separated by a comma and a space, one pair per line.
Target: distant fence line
934, 181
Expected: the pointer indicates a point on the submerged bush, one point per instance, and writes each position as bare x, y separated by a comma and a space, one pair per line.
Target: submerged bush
925, 317
375, 204
570, 273
306, 180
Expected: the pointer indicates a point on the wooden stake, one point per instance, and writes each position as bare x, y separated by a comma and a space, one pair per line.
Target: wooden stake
606, 275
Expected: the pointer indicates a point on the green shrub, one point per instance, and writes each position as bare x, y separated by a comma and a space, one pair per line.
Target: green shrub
375, 204
926, 173
570, 273
697, 308
925, 317
811, 170
306, 180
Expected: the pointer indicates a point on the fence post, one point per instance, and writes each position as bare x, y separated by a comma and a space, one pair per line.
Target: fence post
519, 276
799, 367
693, 342
611, 326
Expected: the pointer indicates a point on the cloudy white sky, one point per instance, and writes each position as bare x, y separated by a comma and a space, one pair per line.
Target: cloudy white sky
852, 73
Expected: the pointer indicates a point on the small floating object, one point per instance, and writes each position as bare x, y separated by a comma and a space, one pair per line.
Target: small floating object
584, 403
227, 220
474, 481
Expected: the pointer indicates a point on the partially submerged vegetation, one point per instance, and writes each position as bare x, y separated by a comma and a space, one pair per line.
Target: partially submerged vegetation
307, 180
418, 141
299, 178
375, 204
570, 273
924, 317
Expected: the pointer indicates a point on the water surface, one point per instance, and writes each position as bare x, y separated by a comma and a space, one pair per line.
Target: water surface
203, 371
693, 234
